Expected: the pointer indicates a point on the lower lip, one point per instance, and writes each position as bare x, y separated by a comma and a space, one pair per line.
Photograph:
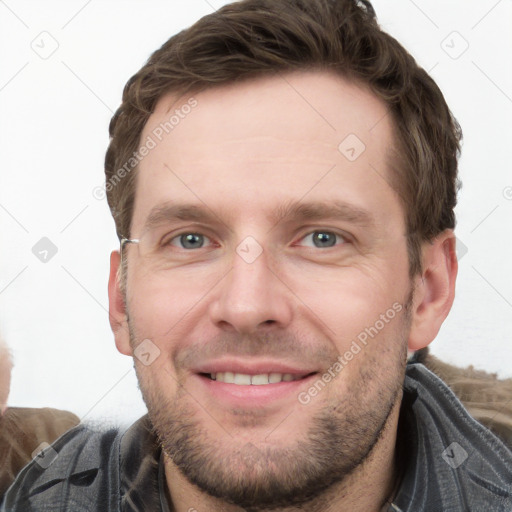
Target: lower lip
250, 396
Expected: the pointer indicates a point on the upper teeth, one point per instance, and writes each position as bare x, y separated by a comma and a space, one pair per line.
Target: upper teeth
256, 380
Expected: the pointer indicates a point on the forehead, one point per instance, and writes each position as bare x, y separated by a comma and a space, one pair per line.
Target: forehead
265, 140
313, 105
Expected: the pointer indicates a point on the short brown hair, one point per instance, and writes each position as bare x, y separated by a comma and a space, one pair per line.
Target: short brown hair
253, 38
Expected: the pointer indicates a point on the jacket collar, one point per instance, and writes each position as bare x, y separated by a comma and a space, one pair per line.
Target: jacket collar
453, 462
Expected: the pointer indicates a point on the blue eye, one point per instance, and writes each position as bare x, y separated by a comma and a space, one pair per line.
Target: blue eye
189, 241
323, 239
317, 239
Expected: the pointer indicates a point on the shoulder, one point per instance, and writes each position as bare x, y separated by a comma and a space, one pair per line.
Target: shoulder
23, 431
487, 398
442, 438
79, 468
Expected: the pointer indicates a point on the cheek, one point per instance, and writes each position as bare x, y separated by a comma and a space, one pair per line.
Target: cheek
345, 303
157, 384
162, 304
156, 312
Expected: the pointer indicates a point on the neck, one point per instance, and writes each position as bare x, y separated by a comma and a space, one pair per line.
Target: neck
369, 488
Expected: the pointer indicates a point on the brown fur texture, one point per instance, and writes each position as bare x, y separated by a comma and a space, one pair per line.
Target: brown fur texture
22, 430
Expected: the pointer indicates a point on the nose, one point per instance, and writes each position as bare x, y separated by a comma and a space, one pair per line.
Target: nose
251, 297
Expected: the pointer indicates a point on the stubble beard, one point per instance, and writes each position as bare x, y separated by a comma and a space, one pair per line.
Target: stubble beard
340, 438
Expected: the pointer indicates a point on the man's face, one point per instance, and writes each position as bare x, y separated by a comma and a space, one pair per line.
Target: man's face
298, 257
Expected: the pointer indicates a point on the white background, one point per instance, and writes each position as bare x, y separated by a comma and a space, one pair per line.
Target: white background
54, 116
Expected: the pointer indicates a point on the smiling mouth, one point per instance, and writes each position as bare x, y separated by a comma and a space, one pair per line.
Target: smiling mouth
262, 379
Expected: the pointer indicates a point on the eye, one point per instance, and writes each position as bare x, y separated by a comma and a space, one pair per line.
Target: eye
189, 241
315, 239
323, 239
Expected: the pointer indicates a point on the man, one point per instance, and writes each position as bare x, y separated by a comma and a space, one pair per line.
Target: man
282, 176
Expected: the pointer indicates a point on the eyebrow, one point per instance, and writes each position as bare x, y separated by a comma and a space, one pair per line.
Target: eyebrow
337, 210
168, 212
293, 211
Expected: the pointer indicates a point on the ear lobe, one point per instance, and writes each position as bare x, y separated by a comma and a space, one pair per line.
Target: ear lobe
434, 290
117, 307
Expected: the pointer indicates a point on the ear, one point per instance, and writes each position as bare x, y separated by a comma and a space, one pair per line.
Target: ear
117, 307
434, 289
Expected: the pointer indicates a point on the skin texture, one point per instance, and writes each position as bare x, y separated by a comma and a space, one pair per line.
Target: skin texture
243, 152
